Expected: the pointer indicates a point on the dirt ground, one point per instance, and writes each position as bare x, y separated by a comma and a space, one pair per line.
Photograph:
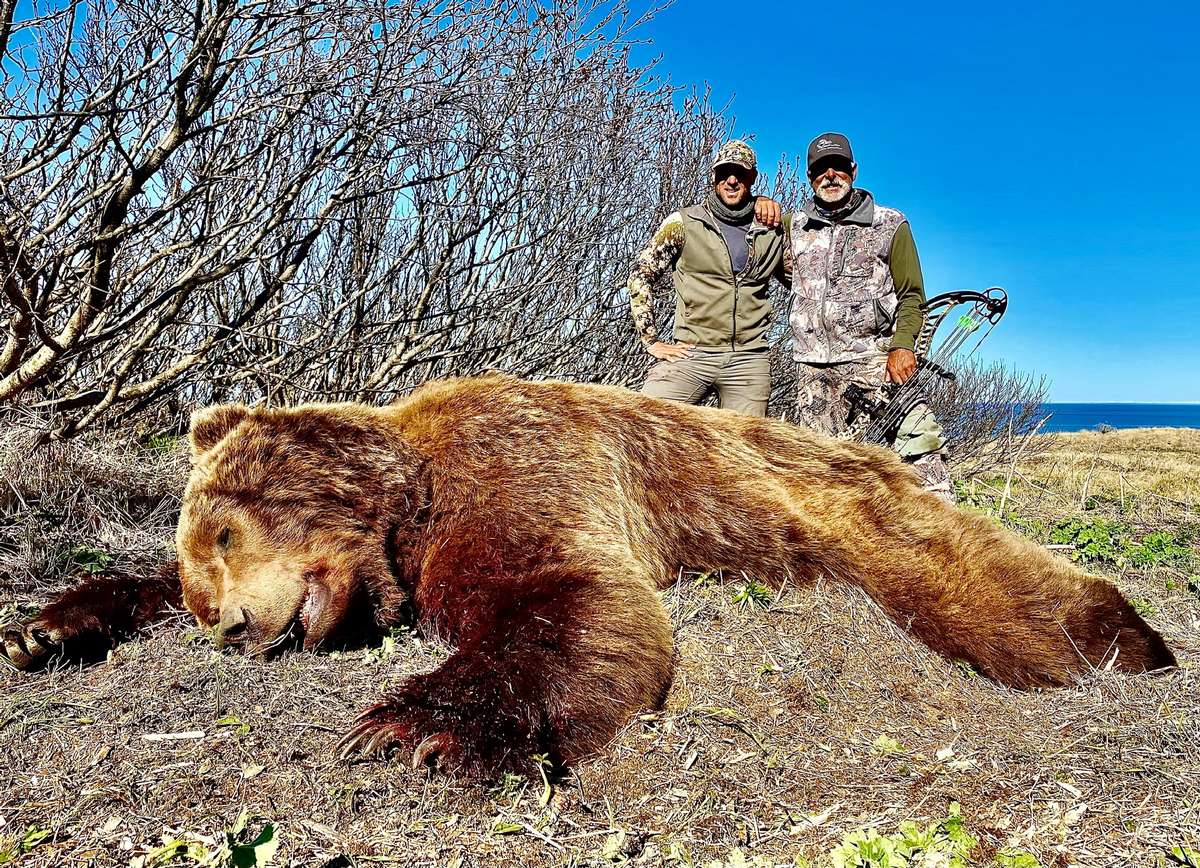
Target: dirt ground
797, 717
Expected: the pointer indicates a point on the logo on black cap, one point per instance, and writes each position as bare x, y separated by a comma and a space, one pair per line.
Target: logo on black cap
829, 144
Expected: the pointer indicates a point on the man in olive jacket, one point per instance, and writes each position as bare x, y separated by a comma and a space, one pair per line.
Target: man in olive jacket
721, 258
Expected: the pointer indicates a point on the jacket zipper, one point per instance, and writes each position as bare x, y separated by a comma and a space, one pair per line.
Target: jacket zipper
828, 280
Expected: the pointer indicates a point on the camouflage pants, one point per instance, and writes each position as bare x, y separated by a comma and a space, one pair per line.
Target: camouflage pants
821, 404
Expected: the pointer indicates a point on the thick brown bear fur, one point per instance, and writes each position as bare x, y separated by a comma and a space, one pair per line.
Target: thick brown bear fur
532, 525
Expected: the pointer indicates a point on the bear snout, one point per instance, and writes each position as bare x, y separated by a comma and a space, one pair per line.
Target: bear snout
234, 626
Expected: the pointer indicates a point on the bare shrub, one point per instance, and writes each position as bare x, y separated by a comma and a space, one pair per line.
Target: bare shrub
78, 506
276, 200
991, 414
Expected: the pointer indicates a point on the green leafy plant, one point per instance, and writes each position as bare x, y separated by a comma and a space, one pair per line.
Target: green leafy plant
1185, 856
175, 849
752, 594
163, 442
242, 846
965, 667
1108, 543
246, 849
1160, 547
1034, 528
386, 649
988, 501
509, 788
945, 842
885, 745
89, 560
12, 848
1142, 606
1013, 858
1096, 540
544, 765
236, 723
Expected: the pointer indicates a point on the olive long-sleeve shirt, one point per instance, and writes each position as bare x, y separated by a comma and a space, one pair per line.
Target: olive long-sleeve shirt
905, 266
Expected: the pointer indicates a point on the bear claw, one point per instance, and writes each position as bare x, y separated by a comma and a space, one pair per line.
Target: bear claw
433, 748
25, 645
371, 736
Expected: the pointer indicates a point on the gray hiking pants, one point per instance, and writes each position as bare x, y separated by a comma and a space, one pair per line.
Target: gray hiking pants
741, 378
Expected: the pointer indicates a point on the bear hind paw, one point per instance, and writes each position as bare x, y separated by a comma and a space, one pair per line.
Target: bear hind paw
474, 744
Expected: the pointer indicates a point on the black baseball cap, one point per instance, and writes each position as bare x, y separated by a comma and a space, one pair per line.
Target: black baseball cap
829, 145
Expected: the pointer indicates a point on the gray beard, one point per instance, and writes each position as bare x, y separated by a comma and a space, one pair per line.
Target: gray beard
833, 195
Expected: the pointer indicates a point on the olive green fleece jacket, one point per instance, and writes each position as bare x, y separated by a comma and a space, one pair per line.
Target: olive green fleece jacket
714, 308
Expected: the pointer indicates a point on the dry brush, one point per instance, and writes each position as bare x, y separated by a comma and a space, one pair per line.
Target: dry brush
273, 200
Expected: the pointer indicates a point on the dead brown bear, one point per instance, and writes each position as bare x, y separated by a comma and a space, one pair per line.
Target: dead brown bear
531, 525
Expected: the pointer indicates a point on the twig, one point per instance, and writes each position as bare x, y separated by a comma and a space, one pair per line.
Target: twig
173, 736
1088, 481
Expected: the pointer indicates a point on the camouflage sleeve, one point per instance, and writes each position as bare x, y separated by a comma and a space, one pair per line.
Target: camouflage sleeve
650, 266
910, 288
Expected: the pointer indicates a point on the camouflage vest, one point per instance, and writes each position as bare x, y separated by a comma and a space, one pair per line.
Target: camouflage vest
843, 299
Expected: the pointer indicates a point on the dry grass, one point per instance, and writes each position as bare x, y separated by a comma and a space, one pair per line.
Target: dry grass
766, 746
64, 505
1155, 469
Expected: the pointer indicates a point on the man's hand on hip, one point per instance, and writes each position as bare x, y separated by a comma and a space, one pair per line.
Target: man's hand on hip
901, 364
767, 212
670, 352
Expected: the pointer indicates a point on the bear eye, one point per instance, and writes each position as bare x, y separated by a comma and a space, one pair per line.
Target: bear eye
223, 538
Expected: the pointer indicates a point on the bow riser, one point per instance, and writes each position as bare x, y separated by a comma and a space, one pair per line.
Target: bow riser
875, 417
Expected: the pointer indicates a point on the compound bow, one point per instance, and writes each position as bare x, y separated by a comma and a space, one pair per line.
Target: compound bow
875, 417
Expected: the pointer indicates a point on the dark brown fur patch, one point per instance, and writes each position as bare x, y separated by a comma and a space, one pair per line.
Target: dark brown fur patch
86, 621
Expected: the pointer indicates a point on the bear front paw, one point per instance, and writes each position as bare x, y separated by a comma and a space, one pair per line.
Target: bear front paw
384, 727
27, 646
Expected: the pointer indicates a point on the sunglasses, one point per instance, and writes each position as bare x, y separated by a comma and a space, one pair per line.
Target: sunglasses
724, 170
840, 165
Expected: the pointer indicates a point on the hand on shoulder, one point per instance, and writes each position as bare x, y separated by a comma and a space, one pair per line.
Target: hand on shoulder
768, 212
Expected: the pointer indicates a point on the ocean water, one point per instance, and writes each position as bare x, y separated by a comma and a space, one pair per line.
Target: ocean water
1081, 417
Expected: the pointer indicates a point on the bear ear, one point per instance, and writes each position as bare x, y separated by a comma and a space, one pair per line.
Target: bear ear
210, 425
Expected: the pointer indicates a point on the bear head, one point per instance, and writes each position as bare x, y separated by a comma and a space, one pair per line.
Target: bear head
288, 522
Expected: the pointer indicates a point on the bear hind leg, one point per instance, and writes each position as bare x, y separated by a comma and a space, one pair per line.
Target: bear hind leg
562, 661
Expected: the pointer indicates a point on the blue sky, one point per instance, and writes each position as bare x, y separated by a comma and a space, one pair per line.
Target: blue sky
1052, 149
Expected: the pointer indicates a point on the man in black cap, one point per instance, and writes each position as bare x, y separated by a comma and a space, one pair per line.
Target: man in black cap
856, 309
